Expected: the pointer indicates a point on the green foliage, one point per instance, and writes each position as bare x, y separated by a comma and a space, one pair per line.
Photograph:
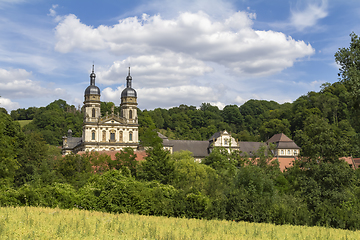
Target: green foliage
74, 169
54, 120
157, 165
349, 61
125, 160
114, 192
321, 140
9, 136
192, 176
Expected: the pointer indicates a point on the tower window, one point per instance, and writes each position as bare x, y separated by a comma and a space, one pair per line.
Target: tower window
130, 136
93, 112
93, 135
130, 114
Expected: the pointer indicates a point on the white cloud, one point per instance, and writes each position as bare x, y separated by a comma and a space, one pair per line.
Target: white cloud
230, 42
165, 96
165, 69
239, 100
8, 104
309, 15
220, 105
52, 11
15, 83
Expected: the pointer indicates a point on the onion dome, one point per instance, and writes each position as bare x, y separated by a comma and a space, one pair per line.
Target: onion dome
128, 91
92, 89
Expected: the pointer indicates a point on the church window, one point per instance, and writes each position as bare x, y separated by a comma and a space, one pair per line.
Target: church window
226, 142
295, 152
288, 152
282, 152
112, 136
93, 112
104, 136
130, 136
93, 135
130, 114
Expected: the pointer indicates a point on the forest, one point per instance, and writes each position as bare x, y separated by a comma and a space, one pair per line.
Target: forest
318, 190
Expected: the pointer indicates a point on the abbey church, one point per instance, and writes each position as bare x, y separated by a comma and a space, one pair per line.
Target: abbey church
112, 132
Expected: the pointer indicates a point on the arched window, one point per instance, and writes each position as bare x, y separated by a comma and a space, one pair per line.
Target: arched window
130, 114
93, 135
93, 112
130, 136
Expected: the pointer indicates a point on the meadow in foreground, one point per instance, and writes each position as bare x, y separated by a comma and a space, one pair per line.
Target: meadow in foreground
49, 223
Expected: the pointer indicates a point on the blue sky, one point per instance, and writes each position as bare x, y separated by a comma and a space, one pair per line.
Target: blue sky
180, 51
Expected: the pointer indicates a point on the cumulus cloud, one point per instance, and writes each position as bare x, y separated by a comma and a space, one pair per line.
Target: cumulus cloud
149, 97
15, 83
8, 104
231, 42
309, 15
165, 69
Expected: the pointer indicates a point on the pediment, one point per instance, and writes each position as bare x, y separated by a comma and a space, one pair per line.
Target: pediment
112, 119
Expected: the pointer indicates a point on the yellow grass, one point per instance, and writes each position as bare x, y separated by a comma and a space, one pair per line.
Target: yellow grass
47, 223
24, 122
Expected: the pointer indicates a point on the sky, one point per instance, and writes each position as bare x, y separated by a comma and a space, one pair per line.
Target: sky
180, 51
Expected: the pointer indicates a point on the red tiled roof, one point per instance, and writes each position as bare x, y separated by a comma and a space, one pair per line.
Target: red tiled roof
140, 154
350, 161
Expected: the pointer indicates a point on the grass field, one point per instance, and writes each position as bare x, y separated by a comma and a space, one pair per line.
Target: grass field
47, 223
24, 122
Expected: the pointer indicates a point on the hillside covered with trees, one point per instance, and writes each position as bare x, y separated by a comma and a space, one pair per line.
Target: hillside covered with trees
328, 119
319, 189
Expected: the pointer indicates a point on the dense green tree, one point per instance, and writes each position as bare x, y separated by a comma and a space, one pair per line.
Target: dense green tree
274, 126
349, 61
125, 159
320, 140
157, 165
9, 136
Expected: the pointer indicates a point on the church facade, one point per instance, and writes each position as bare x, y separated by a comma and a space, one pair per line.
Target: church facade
112, 132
